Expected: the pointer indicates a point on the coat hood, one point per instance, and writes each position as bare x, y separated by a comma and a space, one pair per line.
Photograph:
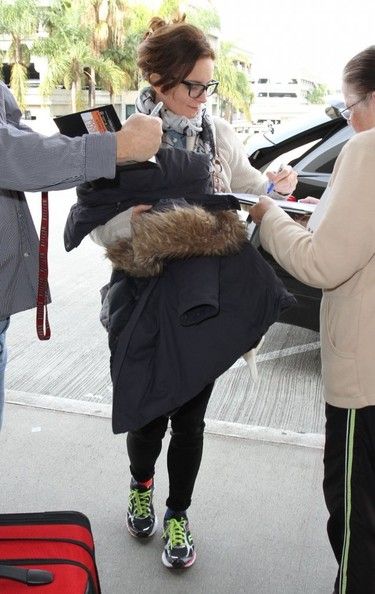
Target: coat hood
177, 233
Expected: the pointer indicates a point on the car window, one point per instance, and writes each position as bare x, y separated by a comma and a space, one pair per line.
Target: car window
326, 167
322, 158
290, 155
280, 132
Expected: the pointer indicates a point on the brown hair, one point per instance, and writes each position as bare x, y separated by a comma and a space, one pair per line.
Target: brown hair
171, 51
360, 71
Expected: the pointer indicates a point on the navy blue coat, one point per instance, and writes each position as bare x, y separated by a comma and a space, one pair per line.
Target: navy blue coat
174, 334
171, 335
176, 173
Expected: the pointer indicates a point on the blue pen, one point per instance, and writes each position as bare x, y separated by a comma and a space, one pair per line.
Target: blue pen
271, 185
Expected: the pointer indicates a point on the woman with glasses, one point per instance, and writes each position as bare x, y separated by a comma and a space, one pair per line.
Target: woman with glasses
178, 63
339, 257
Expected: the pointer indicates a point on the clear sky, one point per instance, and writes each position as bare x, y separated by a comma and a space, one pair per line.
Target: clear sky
309, 37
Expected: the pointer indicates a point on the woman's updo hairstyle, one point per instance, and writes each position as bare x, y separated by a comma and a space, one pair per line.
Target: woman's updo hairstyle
170, 50
359, 73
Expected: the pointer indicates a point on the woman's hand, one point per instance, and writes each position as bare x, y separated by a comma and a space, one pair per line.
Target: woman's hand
309, 200
284, 180
139, 209
258, 211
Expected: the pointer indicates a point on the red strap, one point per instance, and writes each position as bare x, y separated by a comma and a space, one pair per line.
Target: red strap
42, 325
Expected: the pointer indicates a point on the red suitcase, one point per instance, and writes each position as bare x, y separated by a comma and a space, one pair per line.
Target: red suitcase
47, 553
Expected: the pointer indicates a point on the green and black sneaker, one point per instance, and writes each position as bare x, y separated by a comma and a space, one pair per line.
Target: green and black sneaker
179, 547
140, 518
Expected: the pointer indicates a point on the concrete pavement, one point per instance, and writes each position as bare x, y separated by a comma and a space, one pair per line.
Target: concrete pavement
258, 517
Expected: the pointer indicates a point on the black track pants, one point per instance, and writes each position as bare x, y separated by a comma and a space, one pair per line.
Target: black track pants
349, 490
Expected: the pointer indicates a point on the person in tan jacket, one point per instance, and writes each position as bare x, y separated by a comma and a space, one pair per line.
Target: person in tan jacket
339, 257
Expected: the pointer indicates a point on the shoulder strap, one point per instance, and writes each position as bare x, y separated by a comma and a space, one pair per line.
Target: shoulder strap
213, 131
210, 130
42, 324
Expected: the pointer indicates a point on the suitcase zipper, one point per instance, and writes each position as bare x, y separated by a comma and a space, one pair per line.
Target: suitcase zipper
45, 518
78, 543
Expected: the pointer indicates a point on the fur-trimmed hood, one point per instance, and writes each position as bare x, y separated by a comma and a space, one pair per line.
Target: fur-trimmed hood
177, 233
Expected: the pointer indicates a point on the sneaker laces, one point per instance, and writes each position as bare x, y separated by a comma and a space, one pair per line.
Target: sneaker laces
175, 530
141, 502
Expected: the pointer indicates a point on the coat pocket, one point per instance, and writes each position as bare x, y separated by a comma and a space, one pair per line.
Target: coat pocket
339, 341
340, 323
339, 374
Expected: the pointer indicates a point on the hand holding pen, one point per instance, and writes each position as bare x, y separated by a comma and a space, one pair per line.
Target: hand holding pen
283, 181
272, 182
139, 138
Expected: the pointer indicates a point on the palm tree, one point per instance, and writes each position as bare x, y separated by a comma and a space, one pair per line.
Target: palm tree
114, 48
69, 52
207, 19
169, 9
125, 55
20, 20
235, 89
105, 20
68, 67
137, 21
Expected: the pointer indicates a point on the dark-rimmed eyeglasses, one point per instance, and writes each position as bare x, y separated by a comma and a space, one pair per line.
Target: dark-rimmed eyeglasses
196, 90
347, 111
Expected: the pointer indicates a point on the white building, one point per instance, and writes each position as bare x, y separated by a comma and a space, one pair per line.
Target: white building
277, 99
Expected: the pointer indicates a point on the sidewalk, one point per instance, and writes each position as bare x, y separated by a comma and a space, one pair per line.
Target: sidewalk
258, 515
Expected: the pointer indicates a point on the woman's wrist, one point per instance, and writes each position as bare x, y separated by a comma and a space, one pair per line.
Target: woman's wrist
282, 193
278, 195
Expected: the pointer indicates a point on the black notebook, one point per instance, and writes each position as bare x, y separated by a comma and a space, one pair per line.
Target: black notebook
98, 119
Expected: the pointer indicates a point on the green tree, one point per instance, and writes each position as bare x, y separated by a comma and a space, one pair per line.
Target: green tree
105, 20
169, 9
317, 94
20, 20
234, 89
204, 18
207, 19
68, 48
136, 24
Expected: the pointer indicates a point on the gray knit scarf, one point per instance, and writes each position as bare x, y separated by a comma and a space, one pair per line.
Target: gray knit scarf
176, 128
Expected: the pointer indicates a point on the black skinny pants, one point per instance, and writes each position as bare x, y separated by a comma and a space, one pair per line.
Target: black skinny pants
184, 451
349, 490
